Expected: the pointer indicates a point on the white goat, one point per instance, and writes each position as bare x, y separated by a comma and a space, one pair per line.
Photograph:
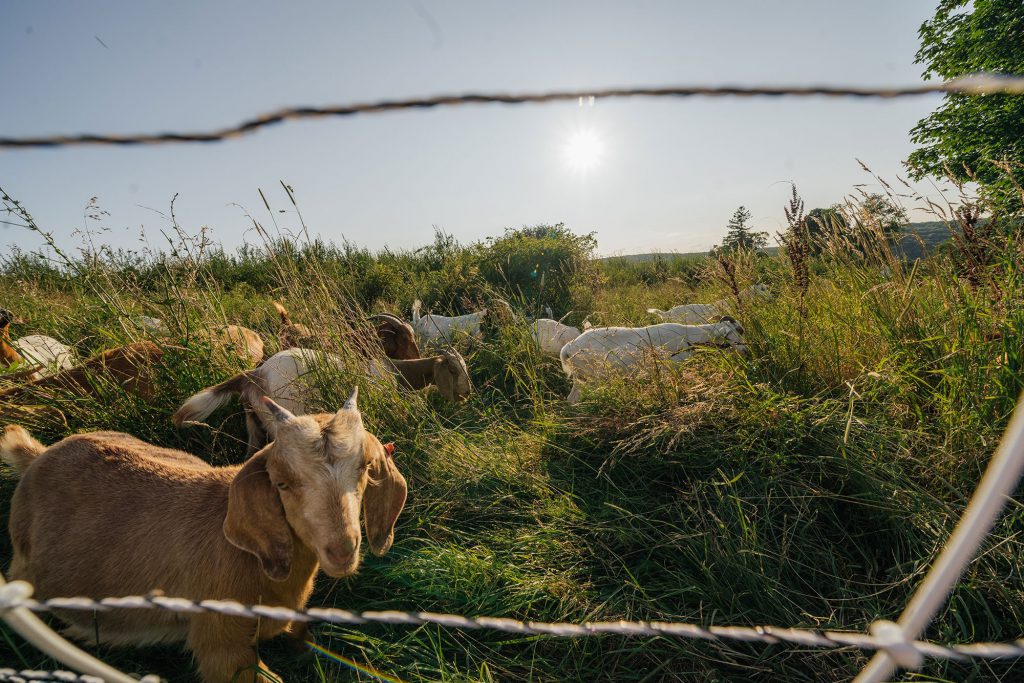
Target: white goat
698, 314
552, 335
601, 351
35, 350
289, 378
38, 349
434, 328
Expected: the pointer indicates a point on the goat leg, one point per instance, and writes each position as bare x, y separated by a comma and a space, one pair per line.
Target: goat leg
224, 652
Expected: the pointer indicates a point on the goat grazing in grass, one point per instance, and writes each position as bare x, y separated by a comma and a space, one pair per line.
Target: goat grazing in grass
239, 341
130, 367
291, 335
286, 377
699, 314
552, 335
396, 336
601, 351
442, 328
44, 354
105, 514
235, 340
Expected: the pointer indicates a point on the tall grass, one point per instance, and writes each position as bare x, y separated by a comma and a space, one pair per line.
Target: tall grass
810, 486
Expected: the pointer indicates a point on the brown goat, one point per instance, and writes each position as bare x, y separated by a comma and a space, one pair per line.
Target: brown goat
130, 366
134, 517
396, 336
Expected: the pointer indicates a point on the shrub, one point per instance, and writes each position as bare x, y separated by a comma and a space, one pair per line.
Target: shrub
544, 265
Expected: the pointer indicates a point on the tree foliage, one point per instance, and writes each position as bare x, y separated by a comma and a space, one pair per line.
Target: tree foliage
822, 222
882, 211
968, 137
739, 234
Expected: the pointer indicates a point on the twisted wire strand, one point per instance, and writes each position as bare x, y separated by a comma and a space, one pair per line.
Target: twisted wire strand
764, 634
976, 85
36, 676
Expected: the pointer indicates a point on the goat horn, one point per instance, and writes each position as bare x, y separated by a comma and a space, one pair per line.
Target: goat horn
350, 404
388, 316
280, 413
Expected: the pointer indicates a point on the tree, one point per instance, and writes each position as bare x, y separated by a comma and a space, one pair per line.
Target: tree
971, 137
822, 222
740, 236
877, 208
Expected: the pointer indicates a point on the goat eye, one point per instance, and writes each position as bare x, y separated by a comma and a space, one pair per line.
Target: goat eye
281, 485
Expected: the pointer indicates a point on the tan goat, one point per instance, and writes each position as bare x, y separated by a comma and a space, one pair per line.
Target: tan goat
105, 514
239, 341
291, 335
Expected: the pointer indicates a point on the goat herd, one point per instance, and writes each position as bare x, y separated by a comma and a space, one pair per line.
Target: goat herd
105, 514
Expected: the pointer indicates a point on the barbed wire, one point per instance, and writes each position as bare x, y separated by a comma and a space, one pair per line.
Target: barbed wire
883, 636
36, 676
976, 85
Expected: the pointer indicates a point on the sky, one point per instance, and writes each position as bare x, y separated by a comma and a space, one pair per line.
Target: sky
644, 175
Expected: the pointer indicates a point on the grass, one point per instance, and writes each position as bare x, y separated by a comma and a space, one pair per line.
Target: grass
809, 487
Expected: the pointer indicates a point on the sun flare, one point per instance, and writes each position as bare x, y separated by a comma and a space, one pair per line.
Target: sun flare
583, 150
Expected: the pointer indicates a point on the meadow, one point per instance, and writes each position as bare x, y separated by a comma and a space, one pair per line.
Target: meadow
809, 486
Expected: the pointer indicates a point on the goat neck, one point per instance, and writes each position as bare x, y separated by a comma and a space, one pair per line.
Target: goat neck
418, 373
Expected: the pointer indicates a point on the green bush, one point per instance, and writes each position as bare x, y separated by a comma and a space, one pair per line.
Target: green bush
544, 265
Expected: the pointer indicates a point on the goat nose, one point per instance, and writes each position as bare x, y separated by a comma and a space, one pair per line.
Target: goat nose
340, 554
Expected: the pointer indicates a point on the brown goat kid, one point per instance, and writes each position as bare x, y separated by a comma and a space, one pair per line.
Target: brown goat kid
134, 517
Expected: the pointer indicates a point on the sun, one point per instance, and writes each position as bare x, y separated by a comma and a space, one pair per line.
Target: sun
583, 150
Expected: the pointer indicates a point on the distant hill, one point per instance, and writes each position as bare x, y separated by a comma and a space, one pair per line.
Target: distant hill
932, 234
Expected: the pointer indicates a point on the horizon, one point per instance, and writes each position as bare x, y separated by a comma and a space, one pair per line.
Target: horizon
646, 176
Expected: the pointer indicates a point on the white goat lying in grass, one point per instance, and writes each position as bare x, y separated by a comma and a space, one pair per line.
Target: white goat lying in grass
289, 378
552, 335
601, 351
104, 513
698, 314
434, 328
35, 351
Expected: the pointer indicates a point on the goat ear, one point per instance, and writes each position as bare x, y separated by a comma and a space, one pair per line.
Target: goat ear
255, 521
383, 499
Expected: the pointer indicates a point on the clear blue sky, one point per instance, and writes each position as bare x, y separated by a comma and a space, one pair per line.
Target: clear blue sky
670, 175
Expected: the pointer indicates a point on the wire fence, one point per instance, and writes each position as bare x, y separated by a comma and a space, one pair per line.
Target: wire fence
976, 85
35, 676
883, 636
896, 644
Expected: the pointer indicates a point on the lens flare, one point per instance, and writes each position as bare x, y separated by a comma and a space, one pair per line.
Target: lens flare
352, 664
